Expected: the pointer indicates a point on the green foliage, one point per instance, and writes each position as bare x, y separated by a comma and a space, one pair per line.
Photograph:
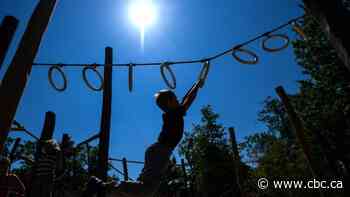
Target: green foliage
322, 102
210, 157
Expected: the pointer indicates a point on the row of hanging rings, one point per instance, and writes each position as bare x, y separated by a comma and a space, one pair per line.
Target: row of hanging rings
59, 69
268, 37
166, 66
254, 57
235, 53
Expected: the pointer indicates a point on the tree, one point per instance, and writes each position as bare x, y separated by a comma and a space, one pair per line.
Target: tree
207, 150
323, 104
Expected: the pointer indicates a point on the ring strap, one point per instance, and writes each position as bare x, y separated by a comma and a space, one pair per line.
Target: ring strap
93, 68
162, 72
50, 73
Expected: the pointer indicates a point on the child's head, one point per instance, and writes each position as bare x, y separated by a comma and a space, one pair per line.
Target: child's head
166, 100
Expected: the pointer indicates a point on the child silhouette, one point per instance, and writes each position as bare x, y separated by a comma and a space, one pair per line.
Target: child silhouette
158, 154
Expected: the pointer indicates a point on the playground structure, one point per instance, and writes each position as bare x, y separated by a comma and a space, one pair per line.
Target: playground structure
17, 74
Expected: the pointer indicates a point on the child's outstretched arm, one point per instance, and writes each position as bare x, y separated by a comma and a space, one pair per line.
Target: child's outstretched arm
190, 96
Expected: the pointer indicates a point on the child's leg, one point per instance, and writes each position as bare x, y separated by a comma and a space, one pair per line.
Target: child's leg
156, 162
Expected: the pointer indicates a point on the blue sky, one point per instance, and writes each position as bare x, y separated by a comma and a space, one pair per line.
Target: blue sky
81, 29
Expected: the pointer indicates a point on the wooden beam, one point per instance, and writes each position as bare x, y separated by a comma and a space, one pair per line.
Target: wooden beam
333, 17
7, 31
16, 76
129, 161
105, 119
87, 141
22, 129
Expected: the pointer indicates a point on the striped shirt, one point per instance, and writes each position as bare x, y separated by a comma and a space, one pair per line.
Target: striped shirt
46, 165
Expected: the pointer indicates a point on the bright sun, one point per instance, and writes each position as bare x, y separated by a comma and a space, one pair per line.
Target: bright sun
142, 14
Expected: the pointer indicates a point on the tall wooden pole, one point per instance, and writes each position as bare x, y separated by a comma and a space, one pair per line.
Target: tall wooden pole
105, 119
7, 31
237, 160
297, 125
125, 169
300, 130
16, 76
333, 17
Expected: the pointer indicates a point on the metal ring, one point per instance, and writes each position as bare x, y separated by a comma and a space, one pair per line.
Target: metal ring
204, 73
131, 77
252, 54
59, 69
166, 66
275, 36
93, 68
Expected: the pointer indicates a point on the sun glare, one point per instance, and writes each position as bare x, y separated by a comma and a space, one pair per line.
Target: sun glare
142, 13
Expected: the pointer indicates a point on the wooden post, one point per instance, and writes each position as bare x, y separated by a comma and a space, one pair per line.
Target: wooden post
7, 31
62, 157
49, 126
42, 185
333, 16
16, 76
296, 123
237, 161
105, 119
125, 169
299, 129
47, 131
